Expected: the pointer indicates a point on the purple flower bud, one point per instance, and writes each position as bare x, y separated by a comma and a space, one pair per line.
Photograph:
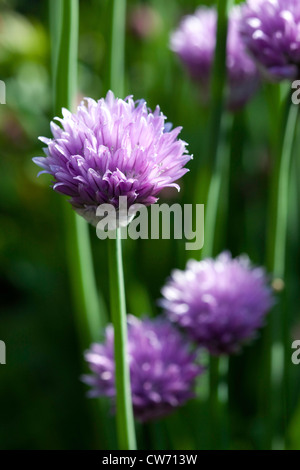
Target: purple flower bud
220, 303
111, 148
271, 32
162, 368
195, 41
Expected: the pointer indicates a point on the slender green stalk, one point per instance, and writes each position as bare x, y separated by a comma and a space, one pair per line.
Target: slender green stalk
218, 79
55, 17
90, 308
217, 130
117, 56
66, 71
210, 171
214, 403
279, 346
217, 186
125, 422
218, 155
283, 193
64, 33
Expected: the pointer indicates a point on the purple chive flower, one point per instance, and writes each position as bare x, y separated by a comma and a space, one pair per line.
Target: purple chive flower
162, 368
219, 303
271, 32
111, 148
195, 41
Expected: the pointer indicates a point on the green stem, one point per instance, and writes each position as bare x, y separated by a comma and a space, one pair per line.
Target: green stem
283, 193
279, 346
64, 29
125, 422
219, 76
216, 187
218, 402
214, 403
117, 55
218, 156
90, 308
66, 72
217, 124
55, 16
217, 130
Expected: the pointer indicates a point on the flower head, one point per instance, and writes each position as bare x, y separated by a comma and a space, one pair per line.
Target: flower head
111, 148
220, 303
162, 368
271, 33
195, 41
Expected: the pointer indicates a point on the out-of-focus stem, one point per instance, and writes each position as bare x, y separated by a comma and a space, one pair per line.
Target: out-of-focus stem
278, 347
117, 56
64, 32
217, 155
217, 128
217, 183
219, 77
283, 193
55, 24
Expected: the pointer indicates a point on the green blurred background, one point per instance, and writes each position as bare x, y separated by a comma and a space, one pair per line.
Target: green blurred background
42, 401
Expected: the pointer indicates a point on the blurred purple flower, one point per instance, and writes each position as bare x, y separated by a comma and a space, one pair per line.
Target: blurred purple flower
112, 148
219, 303
162, 368
271, 32
195, 41
144, 21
